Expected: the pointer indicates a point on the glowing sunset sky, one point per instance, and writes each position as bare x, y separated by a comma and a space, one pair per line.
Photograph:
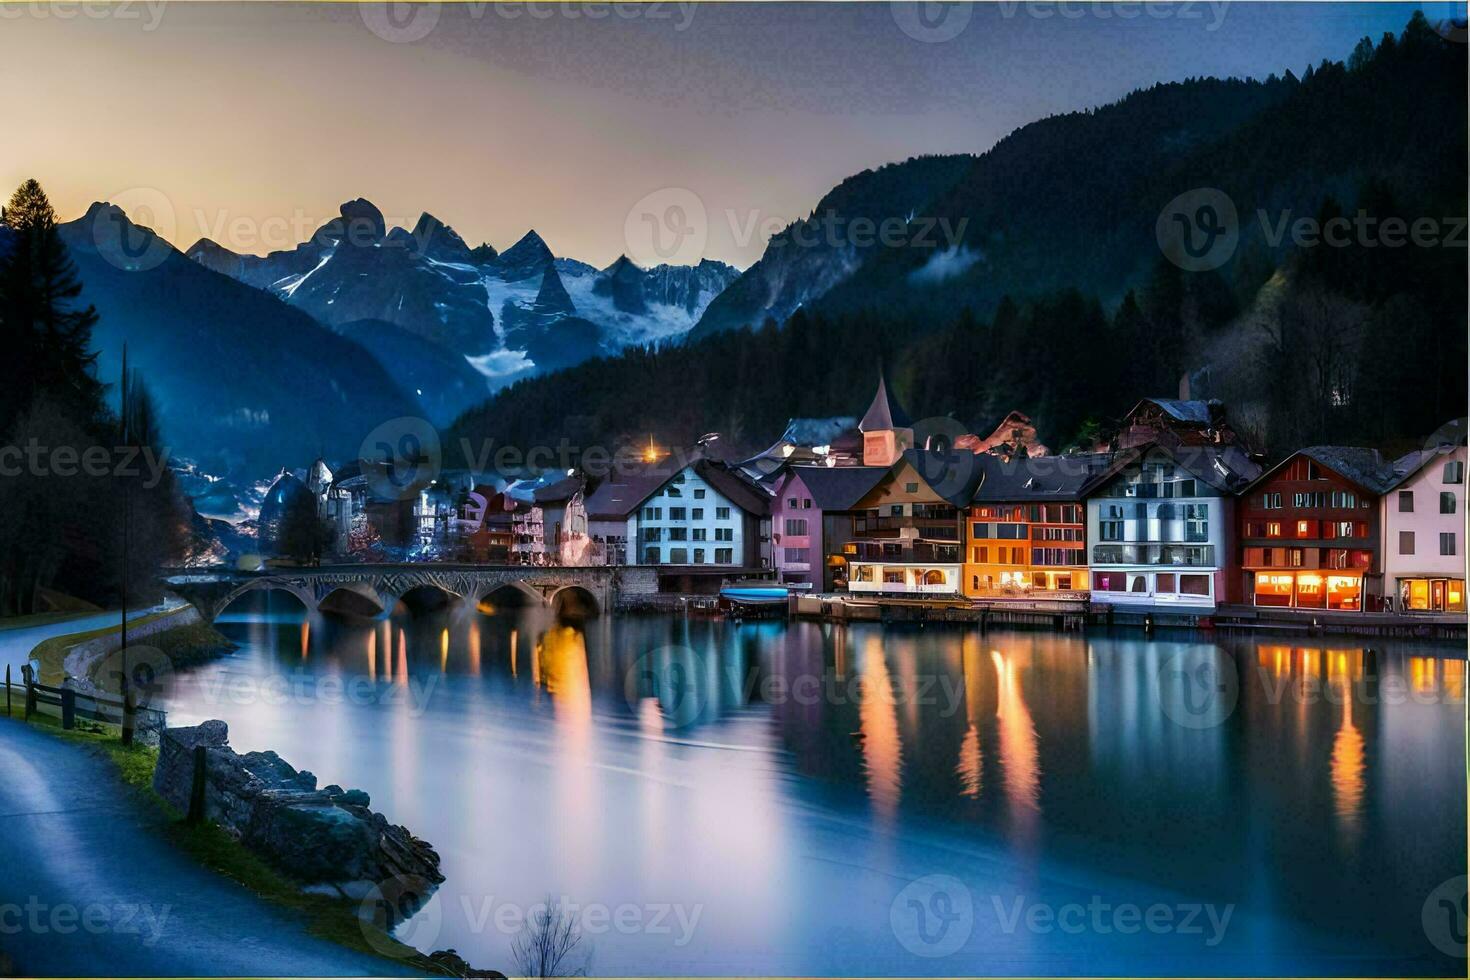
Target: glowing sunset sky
253, 122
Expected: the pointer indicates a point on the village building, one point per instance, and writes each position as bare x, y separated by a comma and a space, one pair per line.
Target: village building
906, 534
1310, 531
811, 522
703, 513
1424, 528
1026, 529
1161, 527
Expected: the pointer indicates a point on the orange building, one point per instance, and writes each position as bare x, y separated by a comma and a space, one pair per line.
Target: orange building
1027, 527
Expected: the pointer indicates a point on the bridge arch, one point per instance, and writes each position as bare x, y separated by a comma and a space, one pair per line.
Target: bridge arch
428, 596
513, 594
218, 607
353, 599
575, 602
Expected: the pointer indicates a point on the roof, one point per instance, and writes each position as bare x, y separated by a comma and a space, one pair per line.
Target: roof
835, 488
1364, 467
632, 483
1038, 477
885, 412
629, 484
1229, 469
803, 434
1195, 412
952, 475
555, 493
1448, 438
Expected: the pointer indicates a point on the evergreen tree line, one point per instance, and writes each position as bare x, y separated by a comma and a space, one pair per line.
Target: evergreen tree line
71, 469
1359, 343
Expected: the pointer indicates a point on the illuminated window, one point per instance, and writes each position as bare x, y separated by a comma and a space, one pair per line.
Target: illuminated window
1303, 529
1273, 590
1344, 592
1273, 529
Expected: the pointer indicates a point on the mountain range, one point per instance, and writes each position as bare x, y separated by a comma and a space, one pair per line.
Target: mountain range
506, 314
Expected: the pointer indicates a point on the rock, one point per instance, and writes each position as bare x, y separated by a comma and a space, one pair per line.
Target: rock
326, 839
456, 966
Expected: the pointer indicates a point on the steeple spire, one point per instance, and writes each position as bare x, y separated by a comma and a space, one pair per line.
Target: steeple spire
885, 412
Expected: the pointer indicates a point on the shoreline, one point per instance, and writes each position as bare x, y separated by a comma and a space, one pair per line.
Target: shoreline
330, 918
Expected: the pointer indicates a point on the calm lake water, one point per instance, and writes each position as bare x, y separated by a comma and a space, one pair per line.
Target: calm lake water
808, 799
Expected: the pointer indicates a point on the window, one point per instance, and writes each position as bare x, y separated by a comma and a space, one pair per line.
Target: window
895, 510
699, 556
980, 556
791, 503
724, 534
678, 534
1270, 501
1447, 543
673, 492
1344, 499
699, 493
653, 534
678, 556
722, 513
1165, 583
1273, 529
1454, 471
697, 513
1406, 542
697, 534
979, 530
1406, 501
724, 556
798, 556
1446, 502
1110, 530
650, 556
676, 513
653, 513
1194, 585
796, 526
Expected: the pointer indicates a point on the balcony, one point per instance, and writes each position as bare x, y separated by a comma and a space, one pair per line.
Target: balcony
933, 528
1146, 553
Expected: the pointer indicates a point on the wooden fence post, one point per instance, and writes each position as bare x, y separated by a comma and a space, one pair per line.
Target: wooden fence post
68, 708
28, 673
196, 789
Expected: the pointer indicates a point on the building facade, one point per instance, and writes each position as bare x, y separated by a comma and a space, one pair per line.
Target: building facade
905, 535
1424, 532
700, 514
811, 522
1026, 529
1161, 528
1310, 531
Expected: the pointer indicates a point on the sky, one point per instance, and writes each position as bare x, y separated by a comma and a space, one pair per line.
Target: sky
591, 123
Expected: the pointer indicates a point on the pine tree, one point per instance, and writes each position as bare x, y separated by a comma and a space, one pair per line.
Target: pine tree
42, 326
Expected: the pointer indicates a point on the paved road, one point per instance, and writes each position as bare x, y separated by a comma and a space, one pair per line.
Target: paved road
16, 644
89, 886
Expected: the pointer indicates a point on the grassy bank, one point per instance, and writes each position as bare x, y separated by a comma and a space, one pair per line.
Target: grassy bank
334, 919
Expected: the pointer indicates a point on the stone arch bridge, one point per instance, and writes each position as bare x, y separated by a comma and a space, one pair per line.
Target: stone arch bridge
373, 589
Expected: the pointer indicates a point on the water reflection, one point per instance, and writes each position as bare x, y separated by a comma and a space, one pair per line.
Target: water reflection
790, 778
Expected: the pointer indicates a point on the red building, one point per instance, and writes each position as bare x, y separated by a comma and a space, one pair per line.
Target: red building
1309, 531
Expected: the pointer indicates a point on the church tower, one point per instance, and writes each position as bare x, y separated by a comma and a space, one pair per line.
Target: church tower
886, 428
